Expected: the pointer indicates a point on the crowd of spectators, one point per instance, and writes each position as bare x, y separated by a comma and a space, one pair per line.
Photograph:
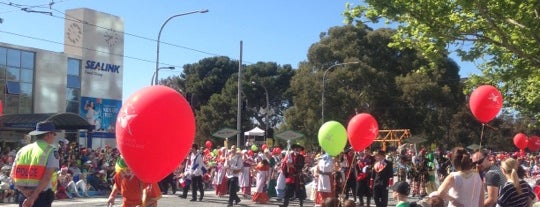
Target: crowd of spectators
84, 172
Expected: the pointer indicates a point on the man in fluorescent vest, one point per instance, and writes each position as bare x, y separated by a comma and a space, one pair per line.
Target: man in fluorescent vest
34, 166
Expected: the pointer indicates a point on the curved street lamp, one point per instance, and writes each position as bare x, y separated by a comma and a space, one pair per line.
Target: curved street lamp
159, 37
324, 84
267, 110
156, 72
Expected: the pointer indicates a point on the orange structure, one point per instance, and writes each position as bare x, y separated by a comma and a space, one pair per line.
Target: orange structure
392, 136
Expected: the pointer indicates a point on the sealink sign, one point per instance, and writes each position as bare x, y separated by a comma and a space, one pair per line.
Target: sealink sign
101, 66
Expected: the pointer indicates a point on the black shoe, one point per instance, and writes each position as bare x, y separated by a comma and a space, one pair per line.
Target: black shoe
193, 199
183, 197
237, 201
200, 199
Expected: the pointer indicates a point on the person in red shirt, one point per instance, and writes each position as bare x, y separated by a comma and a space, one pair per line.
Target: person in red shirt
134, 192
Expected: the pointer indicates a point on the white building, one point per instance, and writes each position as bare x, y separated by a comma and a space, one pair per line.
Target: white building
86, 78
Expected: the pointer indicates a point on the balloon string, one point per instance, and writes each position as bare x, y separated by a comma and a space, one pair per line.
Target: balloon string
482, 135
353, 163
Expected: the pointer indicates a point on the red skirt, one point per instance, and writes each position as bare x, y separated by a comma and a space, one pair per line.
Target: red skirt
221, 189
260, 197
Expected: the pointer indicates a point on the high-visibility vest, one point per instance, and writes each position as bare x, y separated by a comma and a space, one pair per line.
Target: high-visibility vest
31, 164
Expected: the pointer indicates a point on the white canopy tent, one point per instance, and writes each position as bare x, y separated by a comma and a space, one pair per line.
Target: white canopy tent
254, 132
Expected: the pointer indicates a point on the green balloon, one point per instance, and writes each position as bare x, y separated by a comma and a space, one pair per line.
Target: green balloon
254, 148
215, 151
332, 137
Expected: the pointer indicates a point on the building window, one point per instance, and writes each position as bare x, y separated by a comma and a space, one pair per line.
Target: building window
17, 80
73, 88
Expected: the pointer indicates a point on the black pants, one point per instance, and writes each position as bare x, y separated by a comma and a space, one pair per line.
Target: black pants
380, 195
196, 182
363, 190
44, 199
233, 186
350, 186
290, 190
185, 189
164, 184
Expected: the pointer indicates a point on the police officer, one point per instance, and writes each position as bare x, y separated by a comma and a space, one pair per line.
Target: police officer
34, 166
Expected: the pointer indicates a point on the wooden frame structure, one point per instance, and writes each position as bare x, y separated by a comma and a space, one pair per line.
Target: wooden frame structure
392, 136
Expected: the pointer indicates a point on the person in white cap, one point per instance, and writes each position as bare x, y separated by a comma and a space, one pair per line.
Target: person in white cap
34, 166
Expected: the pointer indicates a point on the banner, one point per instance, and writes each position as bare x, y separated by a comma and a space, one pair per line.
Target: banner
100, 112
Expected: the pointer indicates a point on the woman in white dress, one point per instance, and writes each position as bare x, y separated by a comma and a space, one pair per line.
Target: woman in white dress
245, 175
463, 187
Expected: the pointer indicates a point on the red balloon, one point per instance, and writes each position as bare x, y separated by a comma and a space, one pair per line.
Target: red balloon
155, 126
362, 131
485, 103
250, 153
276, 151
520, 140
208, 144
533, 143
1, 107
264, 147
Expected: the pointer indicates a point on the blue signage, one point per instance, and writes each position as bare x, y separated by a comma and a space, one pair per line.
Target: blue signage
94, 65
101, 113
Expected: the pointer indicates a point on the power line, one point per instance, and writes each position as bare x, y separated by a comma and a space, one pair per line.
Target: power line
66, 17
104, 52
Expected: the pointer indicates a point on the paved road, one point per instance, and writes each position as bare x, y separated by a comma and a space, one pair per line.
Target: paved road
210, 200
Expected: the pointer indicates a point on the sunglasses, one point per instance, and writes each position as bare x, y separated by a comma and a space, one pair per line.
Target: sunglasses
480, 161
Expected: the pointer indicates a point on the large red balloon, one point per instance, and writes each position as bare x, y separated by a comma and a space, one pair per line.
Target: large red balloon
520, 140
485, 103
362, 131
533, 143
155, 129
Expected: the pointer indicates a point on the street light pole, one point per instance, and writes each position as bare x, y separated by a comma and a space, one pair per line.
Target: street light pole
156, 72
267, 111
324, 85
159, 37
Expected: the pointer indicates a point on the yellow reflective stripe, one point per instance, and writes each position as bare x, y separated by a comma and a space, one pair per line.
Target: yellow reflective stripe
29, 160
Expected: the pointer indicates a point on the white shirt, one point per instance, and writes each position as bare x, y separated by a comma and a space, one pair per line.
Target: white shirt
196, 163
234, 165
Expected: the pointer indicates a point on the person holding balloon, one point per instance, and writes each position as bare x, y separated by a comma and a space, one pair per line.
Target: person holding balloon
135, 193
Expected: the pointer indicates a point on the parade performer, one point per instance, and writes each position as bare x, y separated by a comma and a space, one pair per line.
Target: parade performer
325, 167
135, 193
263, 174
220, 180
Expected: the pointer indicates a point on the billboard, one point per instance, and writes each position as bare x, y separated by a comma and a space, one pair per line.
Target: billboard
100, 112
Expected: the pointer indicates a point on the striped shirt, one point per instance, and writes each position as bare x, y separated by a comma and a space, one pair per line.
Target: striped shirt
509, 197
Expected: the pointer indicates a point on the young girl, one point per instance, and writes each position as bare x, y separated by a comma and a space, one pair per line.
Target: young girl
263, 174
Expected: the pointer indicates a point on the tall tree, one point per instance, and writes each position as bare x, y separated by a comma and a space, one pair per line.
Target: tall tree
503, 33
211, 87
384, 82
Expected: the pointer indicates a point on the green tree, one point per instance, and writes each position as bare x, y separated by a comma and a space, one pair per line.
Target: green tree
385, 83
211, 88
503, 33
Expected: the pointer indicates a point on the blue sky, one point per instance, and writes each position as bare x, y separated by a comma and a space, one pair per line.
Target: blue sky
279, 31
